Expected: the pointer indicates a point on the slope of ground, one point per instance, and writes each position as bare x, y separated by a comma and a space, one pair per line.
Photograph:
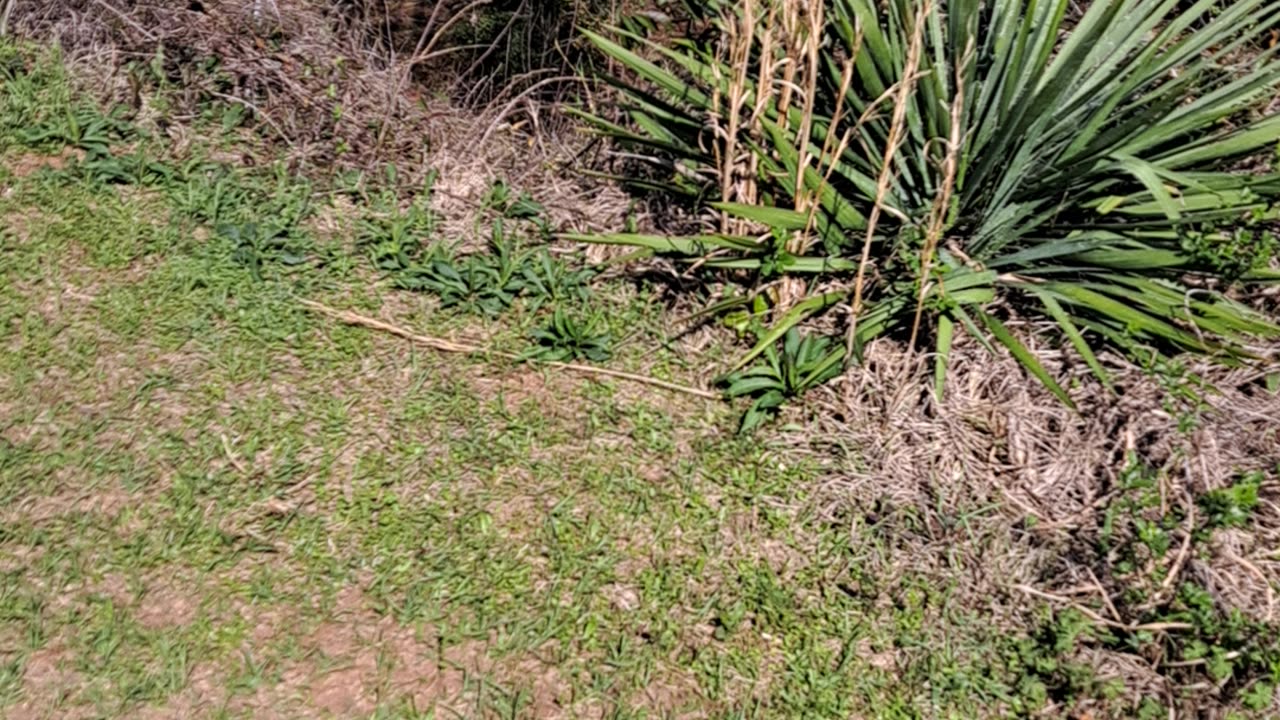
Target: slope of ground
215, 503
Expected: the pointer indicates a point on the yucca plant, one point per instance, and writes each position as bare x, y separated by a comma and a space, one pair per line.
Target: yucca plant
943, 166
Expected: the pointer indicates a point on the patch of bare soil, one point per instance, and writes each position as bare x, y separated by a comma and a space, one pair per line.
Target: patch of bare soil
358, 661
47, 681
168, 600
100, 500
28, 164
204, 696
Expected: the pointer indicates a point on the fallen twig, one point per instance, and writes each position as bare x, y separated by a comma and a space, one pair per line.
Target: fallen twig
5, 11
1201, 661
1183, 551
1149, 627
125, 19
231, 456
449, 346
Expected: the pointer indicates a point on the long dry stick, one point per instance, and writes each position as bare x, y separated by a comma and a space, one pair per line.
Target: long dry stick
905, 86
449, 346
1149, 627
124, 18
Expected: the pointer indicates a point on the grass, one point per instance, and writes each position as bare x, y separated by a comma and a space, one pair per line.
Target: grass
217, 504
289, 472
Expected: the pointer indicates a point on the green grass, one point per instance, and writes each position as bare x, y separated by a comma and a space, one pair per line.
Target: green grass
459, 514
214, 503
525, 518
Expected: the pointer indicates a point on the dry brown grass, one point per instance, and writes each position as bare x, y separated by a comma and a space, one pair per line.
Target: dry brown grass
306, 77
999, 437
1008, 489
325, 93
789, 34
323, 88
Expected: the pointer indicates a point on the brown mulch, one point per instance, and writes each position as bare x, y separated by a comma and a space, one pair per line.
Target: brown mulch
1005, 492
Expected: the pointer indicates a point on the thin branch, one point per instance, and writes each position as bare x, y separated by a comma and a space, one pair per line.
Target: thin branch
942, 203
459, 16
524, 94
896, 127
123, 18
1262, 578
837, 152
1149, 627
449, 346
1188, 531
1102, 591
1200, 661
492, 46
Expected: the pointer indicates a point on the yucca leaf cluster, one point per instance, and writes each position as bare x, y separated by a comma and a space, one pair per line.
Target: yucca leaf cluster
938, 167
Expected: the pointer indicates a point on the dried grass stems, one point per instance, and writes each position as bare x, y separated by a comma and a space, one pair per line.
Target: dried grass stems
327, 98
806, 30
305, 75
1009, 489
740, 35
772, 50
465, 171
902, 94
449, 346
310, 74
938, 213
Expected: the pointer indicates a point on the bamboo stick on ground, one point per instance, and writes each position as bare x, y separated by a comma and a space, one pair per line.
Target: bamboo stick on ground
449, 346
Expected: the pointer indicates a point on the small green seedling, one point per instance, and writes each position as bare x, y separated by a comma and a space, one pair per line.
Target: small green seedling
565, 338
805, 362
